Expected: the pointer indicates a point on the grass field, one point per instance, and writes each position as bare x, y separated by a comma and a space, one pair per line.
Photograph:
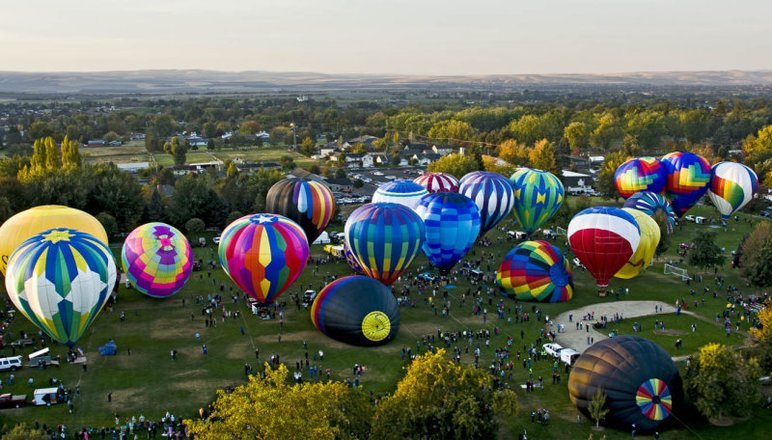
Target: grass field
148, 382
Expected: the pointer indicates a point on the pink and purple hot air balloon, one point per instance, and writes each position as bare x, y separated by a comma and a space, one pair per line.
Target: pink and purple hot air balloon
157, 259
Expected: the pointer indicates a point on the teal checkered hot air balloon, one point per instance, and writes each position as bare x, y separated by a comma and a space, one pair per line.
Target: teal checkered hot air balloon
538, 196
60, 279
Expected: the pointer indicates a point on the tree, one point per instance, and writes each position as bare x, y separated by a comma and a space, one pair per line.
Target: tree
543, 156
452, 131
756, 255
287, 162
24, 432
758, 154
762, 335
498, 165
597, 407
720, 381
515, 153
210, 145
705, 253
606, 132
605, 180
440, 399
177, 150
108, 221
455, 164
232, 170
578, 136
195, 226
307, 147
270, 408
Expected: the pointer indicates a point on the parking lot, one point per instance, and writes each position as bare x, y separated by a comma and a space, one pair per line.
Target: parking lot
372, 179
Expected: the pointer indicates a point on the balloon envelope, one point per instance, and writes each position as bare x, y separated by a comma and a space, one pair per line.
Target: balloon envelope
438, 182
452, 225
492, 193
604, 239
60, 279
263, 254
538, 196
157, 259
356, 310
384, 239
41, 218
642, 257
688, 177
352, 260
308, 203
653, 205
640, 174
732, 186
536, 270
641, 382
402, 192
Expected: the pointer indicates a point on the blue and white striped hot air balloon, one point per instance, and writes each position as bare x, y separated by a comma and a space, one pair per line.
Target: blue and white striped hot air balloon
492, 193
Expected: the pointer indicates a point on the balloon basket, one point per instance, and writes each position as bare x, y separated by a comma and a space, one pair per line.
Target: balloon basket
602, 291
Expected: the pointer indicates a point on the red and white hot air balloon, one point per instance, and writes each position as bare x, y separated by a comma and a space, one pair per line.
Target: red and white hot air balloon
438, 182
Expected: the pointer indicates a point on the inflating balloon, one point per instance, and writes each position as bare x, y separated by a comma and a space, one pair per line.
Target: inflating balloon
437, 182
536, 271
356, 310
384, 239
492, 193
41, 218
654, 205
732, 186
688, 177
402, 192
352, 260
640, 174
60, 279
308, 203
452, 225
640, 380
642, 257
157, 259
538, 196
604, 239
263, 254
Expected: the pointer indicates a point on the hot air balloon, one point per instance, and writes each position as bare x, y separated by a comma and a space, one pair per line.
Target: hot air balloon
437, 182
604, 239
41, 218
263, 254
157, 259
356, 310
654, 205
60, 279
452, 224
688, 177
640, 174
538, 196
492, 193
352, 260
641, 382
643, 255
732, 186
536, 271
384, 239
402, 192
308, 203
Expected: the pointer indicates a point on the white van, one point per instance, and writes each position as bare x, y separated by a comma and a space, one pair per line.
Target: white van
568, 356
39, 397
700, 220
10, 363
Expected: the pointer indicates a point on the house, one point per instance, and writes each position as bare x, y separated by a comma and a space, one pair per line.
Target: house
442, 150
378, 159
263, 136
365, 140
327, 152
342, 185
577, 182
197, 141
425, 158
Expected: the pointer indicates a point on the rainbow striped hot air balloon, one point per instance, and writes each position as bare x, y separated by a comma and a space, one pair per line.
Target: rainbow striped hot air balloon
732, 186
640, 174
402, 192
384, 239
60, 279
492, 193
263, 254
536, 270
157, 259
452, 223
688, 177
308, 203
538, 196
437, 182
653, 205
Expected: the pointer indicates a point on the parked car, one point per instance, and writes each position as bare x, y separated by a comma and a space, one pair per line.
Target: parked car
553, 349
308, 298
689, 218
377, 173
12, 363
427, 276
12, 400
216, 240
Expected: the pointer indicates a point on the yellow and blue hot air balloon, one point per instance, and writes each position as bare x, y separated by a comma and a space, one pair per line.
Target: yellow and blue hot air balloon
492, 193
732, 186
157, 259
538, 196
306, 202
688, 177
452, 224
60, 279
640, 174
536, 271
643, 255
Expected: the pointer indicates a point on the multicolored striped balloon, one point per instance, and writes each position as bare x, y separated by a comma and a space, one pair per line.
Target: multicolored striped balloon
640, 174
157, 259
309, 203
384, 239
538, 196
263, 254
60, 279
654, 399
536, 271
492, 193
654, 205
356, 310
402, 192
732, 186
437, 182
452, 223
352, 260
647, 247
688, 178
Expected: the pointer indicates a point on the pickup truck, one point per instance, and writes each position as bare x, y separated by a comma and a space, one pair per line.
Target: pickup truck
12, 400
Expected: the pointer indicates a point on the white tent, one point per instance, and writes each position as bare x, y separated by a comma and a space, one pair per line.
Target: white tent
324, 238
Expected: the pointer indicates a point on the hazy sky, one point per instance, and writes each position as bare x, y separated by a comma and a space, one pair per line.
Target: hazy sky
387, 36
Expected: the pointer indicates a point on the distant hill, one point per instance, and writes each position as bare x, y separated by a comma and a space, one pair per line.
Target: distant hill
210, 81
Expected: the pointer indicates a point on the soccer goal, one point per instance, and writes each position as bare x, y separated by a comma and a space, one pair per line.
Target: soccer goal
677, 271
560, 231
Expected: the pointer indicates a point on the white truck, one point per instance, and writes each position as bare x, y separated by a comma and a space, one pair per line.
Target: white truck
568, 356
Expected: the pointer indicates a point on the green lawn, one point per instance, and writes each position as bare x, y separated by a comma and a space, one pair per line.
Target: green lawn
148, 382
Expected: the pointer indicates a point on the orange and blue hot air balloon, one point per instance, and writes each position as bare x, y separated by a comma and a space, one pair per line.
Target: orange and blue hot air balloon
263, 254
437, 182
384, 239
157, 259
640, 174
732, 187
653, 205
688, 178
452, 223
492, 193
538, 196
308, 203
536, 271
